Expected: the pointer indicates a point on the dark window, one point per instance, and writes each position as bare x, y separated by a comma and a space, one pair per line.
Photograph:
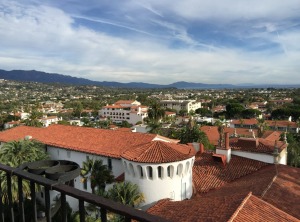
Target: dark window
109, 163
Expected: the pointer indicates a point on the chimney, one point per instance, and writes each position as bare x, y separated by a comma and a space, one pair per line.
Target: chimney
196, 146
226, 151
201, 150
227, 147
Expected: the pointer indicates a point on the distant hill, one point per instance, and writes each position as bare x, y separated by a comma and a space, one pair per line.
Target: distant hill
43, 77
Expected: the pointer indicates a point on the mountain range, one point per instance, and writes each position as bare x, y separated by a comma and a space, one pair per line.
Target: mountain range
43, 77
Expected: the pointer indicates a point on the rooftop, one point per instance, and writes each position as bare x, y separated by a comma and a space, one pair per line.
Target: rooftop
159, 152
111, 143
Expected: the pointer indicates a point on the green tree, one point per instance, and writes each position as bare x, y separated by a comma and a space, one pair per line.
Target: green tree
126, 193
262, 127
33, 119
155, 112
191, 133
250, 113
98, 174
14, 154
234, 110
203, 112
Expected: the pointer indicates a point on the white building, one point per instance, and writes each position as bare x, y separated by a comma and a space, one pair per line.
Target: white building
124, 110
161, 170
77, 144
254, 148
189, 105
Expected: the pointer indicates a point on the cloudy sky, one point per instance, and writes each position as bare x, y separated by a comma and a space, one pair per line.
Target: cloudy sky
159, 41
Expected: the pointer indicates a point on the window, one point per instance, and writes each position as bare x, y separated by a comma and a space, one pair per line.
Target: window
109, 163
131, 170
69, 154
85, 184
179, 169
170, 171
159, 172
140, 171
150, 172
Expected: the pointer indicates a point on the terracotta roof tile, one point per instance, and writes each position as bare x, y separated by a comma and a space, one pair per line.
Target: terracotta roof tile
257, 145
255, 209
209, 174
97, 141
275, 197
245, 121
198, 209
159, 152
213, 134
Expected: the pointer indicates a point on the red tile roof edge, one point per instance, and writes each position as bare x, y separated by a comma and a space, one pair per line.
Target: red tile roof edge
240, 207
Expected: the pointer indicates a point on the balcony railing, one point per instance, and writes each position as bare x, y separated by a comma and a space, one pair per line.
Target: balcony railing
83, 197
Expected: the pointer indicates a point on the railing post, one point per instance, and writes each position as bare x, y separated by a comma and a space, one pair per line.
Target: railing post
9, 195
63, 207
47, 204
81, 211
21, 199
1, 205
103, 212
33, 200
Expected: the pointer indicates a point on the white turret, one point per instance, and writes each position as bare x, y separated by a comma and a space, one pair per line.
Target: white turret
161, 170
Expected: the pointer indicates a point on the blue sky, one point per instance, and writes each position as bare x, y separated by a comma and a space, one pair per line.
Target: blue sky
159, 41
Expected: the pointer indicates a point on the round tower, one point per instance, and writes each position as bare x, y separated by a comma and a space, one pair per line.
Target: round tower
161, 170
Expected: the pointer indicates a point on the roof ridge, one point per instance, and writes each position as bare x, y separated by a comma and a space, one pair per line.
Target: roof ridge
233, 216
271, 183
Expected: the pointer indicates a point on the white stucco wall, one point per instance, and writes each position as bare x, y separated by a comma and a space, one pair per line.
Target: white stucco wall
227, 153
176, 185
267, 158
79, 157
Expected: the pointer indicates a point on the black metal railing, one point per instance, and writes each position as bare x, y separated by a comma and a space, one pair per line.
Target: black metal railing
83, 197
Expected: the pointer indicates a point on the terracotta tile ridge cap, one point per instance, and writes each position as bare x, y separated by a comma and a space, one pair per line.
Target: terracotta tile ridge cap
234, 215
158, 205
271, 183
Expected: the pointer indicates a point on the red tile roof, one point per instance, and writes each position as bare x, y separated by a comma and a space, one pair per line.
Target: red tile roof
209, 174
213, 134
198, 209
255, 209
245, 121
275, 197
110, 143
159, 152
256, 145
281, 123
124, 102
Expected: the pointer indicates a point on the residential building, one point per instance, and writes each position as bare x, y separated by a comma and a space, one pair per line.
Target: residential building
124, 110
189, 105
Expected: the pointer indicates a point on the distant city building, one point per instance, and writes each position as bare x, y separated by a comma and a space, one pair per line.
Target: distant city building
189, 105
124, 110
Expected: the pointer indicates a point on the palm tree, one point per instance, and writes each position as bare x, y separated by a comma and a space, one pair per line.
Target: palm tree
262, 127
155, 112
126, 193
33, 119
14, 154
98, 174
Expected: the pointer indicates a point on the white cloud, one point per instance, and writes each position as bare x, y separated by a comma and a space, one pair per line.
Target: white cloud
48, 39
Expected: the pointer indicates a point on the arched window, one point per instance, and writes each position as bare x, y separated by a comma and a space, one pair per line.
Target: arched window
179, 169
187, 166
170, 171
160, 172
125, 167
150, 172
131, 170
140, 171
